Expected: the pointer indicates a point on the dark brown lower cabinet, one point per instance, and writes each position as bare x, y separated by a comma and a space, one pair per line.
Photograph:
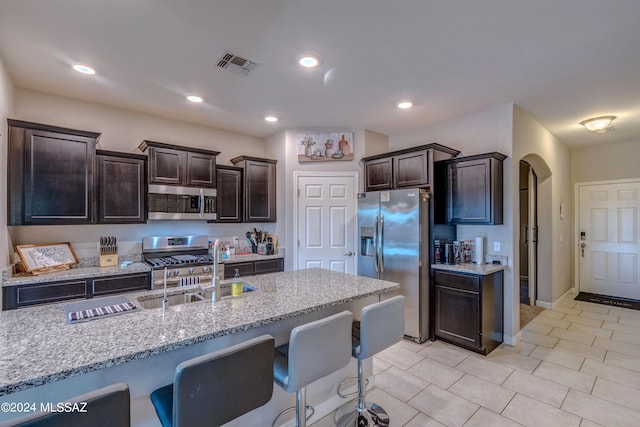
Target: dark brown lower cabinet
250, 268
469, 310
45, 293
118, 284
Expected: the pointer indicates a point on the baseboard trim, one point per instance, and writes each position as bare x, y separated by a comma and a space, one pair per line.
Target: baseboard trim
512, 340
552, 305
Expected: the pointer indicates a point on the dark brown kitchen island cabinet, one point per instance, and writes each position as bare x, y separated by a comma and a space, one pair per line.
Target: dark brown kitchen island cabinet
251, 268
259, 188
229, 194
51, 174
469, 309
407, 168
122, 188
176, 165
474, 189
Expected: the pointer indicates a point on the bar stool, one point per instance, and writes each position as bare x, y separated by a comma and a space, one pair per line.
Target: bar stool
109, 406
218, 387
315, 350
381, 325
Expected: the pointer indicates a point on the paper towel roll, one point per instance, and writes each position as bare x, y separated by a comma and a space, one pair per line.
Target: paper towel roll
479, 256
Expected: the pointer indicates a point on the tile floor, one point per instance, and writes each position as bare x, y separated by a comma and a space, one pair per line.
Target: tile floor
577, 365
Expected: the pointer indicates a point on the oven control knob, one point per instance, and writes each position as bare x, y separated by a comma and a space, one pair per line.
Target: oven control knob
204, 269
191, 270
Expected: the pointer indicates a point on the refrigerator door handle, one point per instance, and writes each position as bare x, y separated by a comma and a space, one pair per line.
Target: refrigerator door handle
381, 240
375, 246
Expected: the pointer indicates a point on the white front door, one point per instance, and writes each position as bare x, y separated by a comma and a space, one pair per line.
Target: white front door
608, 239
326, 206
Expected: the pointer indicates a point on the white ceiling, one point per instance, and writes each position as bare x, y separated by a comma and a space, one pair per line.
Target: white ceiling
563, 61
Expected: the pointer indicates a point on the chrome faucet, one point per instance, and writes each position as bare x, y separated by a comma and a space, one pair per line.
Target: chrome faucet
215, 296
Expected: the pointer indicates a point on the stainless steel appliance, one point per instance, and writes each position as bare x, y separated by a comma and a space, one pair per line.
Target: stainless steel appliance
394, 246
186, 258
168, 202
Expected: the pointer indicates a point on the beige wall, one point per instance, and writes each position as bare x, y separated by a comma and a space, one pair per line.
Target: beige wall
6, 106
550, 159
482, 132
283, 146
605, 162
123, 131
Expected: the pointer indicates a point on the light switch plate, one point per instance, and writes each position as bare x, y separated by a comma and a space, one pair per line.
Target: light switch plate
496, 246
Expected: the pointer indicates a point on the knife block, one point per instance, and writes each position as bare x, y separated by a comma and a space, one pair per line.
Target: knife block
108, 260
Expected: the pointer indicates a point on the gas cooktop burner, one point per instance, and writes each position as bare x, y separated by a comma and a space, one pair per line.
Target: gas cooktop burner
178, 260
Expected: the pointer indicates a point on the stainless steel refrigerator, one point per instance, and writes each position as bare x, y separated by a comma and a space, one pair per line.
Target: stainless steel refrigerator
394, 245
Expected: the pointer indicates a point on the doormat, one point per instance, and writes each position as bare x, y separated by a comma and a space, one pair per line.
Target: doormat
613, 301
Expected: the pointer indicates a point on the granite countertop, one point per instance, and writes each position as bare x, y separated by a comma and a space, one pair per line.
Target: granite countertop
76, 273
479, 269
38, 346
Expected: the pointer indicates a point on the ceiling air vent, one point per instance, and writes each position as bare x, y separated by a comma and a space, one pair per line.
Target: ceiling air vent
236, 64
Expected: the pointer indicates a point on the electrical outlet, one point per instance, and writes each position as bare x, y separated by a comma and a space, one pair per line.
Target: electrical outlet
496, 246
236, 242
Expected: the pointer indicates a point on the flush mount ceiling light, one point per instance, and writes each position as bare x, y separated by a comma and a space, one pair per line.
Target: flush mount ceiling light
600, 124
84, 69
194, 98
405, 104
309, 61
271, 119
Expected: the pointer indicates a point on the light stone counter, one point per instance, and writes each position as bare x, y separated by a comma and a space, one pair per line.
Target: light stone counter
76, 273
38, 347
479, 269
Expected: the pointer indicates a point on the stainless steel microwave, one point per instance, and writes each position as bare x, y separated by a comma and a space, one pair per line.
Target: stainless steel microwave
167, 202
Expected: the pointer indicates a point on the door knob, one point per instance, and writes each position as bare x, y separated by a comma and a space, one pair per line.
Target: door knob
349, 254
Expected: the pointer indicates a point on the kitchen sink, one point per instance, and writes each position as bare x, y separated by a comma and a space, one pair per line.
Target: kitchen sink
195, 295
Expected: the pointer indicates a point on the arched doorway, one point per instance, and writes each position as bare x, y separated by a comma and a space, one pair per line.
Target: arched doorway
534, 250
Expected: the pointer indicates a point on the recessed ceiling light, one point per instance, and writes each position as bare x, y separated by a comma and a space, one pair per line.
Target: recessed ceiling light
309, 61
405, 104
84, 69
271, 119
194, 98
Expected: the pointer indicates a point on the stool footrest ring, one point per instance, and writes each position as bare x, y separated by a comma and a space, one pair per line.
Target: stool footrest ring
354, 393
309, 409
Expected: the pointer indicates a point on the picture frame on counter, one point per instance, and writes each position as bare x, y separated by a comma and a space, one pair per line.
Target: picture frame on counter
42, 258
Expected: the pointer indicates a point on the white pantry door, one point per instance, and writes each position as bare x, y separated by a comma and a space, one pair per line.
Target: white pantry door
326, 209
608, 239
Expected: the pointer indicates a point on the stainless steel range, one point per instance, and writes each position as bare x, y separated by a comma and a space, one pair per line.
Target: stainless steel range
186, 259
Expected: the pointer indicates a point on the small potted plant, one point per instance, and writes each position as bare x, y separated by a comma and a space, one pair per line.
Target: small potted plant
308, 142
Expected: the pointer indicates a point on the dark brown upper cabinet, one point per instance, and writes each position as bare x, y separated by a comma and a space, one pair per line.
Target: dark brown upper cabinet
177, 165
411, 167
229, 199
259, 188
50, 174
379, 174
474, 189
122, 187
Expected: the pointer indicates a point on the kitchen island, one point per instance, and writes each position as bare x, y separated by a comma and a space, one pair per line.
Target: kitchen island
45, 359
